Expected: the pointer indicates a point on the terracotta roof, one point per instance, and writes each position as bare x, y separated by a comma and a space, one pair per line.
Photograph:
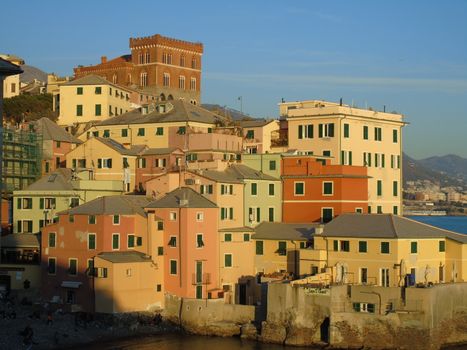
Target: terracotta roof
183, 197
385, 226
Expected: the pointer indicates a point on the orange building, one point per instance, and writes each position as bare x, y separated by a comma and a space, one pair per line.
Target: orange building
69, 246
169, 68
190, 243
315, 191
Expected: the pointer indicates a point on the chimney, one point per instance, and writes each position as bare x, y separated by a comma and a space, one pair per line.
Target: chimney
103, 59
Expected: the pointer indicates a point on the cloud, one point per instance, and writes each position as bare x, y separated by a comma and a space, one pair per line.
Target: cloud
452, 85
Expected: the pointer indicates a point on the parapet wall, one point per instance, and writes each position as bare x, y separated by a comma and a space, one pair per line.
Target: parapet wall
158, 39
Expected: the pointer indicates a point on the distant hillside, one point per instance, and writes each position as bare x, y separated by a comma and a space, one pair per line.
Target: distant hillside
30, 73
415, 170
451, 165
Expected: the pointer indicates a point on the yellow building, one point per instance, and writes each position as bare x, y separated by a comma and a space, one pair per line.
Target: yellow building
352, 136
91, 98
11, 83
106, 159
384, 250
165, 124
130, 283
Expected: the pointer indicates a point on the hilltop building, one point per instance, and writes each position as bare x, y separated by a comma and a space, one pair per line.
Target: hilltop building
168, 68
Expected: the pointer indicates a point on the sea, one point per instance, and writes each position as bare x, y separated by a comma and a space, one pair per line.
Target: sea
451, 223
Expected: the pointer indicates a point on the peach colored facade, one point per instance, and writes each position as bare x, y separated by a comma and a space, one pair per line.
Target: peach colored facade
72, 241
258, 139
191, 270
313, 190
55, 155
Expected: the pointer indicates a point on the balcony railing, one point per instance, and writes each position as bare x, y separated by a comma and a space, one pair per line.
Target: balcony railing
205, 278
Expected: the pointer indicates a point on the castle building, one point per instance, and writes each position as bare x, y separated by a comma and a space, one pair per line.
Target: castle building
170, 68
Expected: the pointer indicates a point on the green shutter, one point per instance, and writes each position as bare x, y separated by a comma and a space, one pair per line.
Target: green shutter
310, 131
362, 246
18, 203
365, 132
335, 245
394, 136
259, 247
41, 203
350, 157
331, 130
228, 260
382, 160
346, 130
413, 247
320, 130
379, 185
442, 246
395, 188
300, 131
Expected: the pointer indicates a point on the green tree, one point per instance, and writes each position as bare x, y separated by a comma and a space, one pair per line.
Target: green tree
28, 107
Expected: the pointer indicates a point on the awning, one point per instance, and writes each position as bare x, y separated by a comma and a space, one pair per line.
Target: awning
71, 284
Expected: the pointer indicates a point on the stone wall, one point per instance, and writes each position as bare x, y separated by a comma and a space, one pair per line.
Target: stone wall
208, 317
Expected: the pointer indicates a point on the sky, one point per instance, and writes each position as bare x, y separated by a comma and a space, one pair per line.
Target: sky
410, 56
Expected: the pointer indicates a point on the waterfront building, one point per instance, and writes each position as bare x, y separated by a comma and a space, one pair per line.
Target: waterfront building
352, 136
189, 243
39, 204
107, 159
90, 99
167, 67
56, 143
70, 245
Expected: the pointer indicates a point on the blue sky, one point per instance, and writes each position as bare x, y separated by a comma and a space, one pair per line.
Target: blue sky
408, 55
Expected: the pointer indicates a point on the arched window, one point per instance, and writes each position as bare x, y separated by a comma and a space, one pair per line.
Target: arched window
162, 97
128, 79
170, 98
143, 79
193, 63
148, 57
114, 78
169, 58
193, 84
140, 58
166, 79
182, 60
181, 82
164, 57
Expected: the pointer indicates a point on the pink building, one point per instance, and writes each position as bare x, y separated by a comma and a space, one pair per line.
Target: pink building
68, 249
191, 243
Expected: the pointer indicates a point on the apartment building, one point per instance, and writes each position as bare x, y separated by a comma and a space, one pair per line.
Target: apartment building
352, 136
69, 247
259, 135
90, 99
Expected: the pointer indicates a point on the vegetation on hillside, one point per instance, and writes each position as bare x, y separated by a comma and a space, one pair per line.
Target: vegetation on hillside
28, 107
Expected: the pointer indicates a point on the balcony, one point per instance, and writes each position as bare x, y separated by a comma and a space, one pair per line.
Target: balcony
205, 279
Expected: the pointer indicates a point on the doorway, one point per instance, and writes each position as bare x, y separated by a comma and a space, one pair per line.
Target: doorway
324, 330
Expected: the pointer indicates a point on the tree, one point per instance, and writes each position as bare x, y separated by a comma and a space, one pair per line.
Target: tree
28, 107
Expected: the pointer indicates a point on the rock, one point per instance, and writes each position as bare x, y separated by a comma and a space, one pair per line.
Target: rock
273, 333
300, 336
219, 329
249, 331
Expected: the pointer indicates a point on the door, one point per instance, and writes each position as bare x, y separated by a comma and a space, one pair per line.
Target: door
199, 272
242, 292
363, 275
327, 214
199, 292
384, 277
441, 274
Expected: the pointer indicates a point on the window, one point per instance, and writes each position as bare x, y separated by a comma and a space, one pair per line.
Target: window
378, 134
384, 247
384, 277
282, 248
91, 241
199, 240
166, 79
228, 260
362, 246
364, 307
344, 246
143, 79
24, 203
413, 247
271, 214
365, 132
246, 237
106, 133
395, 188
160, 251
379, 188
115, 241
91, 219
369, 209
47, 203
139, 241
73, 267
379, 209
182, 60
228, 237
98, 110
259, 247
359, 210
254, 189
271, 189
326, 154
131, 241
305, 131
442, 246
148, 57
327, 214
58, 144
105, 163
51, 266
79, 90
90, 271
159, 131
71, 218
193, 84
328, 188
394, 136
173, 267
98, 90
272, 165
346, 157
181, 130
141, 163
395, 210
79, 110
250, 134
173, 216
363, 275
52, 239
193, 63
173, 241
141, 132
366, 159
160, 226
181, 82
299, 188
199, 216
326, 130
346, 130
